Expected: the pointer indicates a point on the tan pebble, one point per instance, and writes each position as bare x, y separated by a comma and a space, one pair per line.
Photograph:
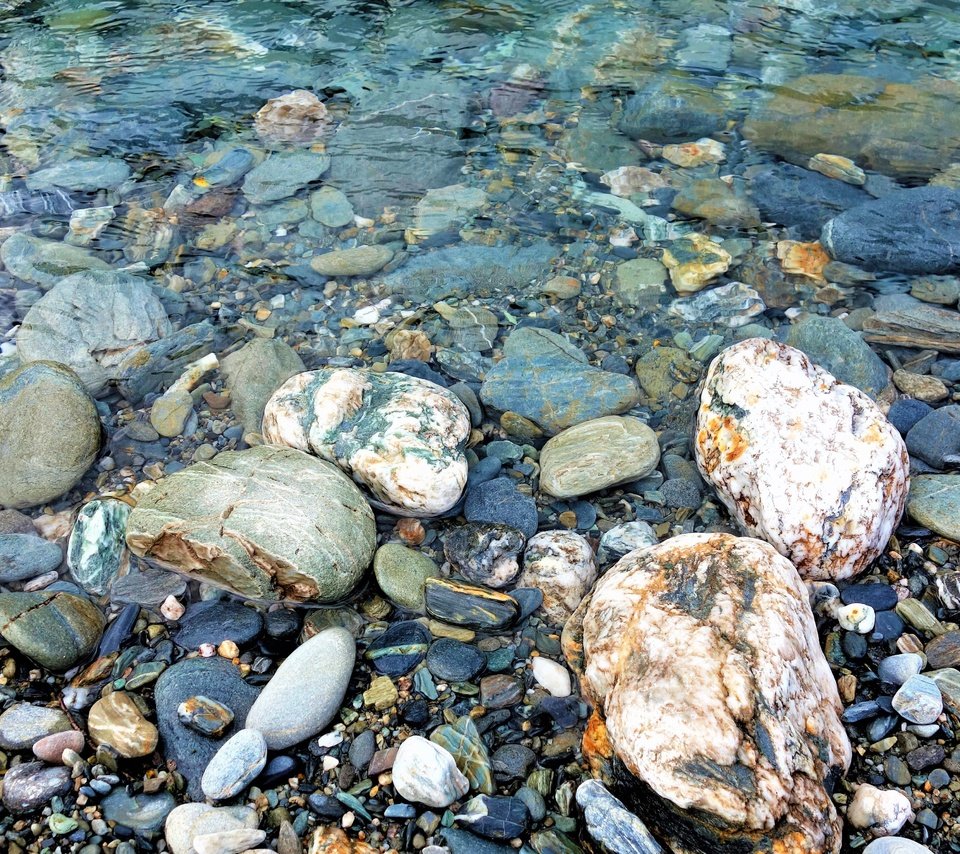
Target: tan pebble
50, 748
228, 649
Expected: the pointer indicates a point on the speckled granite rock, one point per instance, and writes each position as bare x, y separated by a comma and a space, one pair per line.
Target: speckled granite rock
717, 716
801, 460
560, 564
267, 523
399, 436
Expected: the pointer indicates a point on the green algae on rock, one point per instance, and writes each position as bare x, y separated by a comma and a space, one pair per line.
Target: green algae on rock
267, 523
54, 629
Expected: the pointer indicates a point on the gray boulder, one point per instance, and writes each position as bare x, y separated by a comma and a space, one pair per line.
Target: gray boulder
254, 373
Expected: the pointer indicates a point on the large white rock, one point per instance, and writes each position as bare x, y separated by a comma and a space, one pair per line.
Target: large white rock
560, 565
716, 713
801, 460
882, 812
427, 773
399, 436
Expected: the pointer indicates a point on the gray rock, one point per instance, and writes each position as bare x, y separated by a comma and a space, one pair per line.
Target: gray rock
85, 175
282, 174
46, 262
235, 766
897, 669
401, 573
188, 821
238, 523
934, 502
918, 700
623, 539
673, 109
31, 785
358, 261
499, 500
936, 436
89, 320
306, 691
24, 724
908, 231
215, 621
97, 553
144, 814
253, 373
147, 587
24, 556
331, 207
611, 824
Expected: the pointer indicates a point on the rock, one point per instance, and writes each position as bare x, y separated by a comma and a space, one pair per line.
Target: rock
904, 413
831, 512
943, 651
215, 621
895, 845
236, 523
332, 840
23, 724
622, 539
881, 813
552, 676
856, 618
117, 720
381, 695
305, 693
144, 814
640, 283
672, 109
50, 748
147, 587
801, 199
31, 785
401, 437
49, 433
97, 552
359, 261
170, 413
214, 678
498, 691
454, 661
83, 175
935, 437
906, 130
444, 210
426, 773
546, 379
235, 766
15, 522
498, 501
935, 503
733, 305
188, 821
923, 388
88, 321
281, 174
840, 168
463, 742
911, 323
918, 700
665, 372
897, 669
44, 263
740, 760
716, 202
691, 154
560, 565
462, 604
908, 231
495, 816
611, 824
253, 373
401, 573
331, 207
485, 553
298, 116
597, 454
205, 716
832, 345
399, 649
25, 556
55, 629
694, 261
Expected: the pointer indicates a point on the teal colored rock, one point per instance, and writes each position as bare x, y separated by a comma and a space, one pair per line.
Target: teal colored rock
85, 175
331, 207
466, 746
833, 345
934, 502
97, 551
45, 262
282, 174
143, 813
56, 630
49, 433
266, 523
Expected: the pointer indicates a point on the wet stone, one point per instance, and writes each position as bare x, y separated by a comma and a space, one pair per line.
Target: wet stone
499, 501
496, 817
897, 669
880, 597
453, 661
25, 556
205, 716
926, 756
463, 604
513, 761
918, 700
401, 573
23, 724
887, 626
32, 785
142, 813
97, 551
943, 651
362, 749
147, 587
216, 621
399, 649
463, 742
499, 691
485, 553
236, 764
54, 629
118, 720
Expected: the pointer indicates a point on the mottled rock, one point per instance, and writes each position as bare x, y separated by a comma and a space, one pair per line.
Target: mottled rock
253, 373
734, 305
560, 565
49, 433
611, 824
399, 436
800, 459
97, 552
24, 556
597, 454
298, 116
401, 573
332, 840
118, 720
621, 539
426, 773
24, 724
358, 261
918, 700
306, 691
882, 813
268, 523
463, 742
499, 501
88, 321
281, 174
187, 822
719, 708
462, 604
495, 816
45, 262
235, 766
31, 785
485, 553
935, 503
694, 261
55, 629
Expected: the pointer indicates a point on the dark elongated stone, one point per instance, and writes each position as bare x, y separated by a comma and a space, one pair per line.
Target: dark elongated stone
455, 661
399, 649
495, 816
216, 621
880, 597
463, 604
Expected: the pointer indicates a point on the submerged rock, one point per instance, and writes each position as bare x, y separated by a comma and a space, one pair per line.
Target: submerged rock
253, 373
799, 459
399, 436
298, 117
45, 262
267, 523
715, 710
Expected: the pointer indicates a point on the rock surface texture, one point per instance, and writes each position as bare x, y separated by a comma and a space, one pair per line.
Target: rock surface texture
267, 523
701, 658
801, 460
399, 436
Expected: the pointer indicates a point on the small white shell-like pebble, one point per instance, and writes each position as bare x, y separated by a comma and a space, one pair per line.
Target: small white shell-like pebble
895, 845
426, 773
882, 812
856, 618
552, 676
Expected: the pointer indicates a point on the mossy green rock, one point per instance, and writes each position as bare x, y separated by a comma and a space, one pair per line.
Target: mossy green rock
45, 262
56, 630
254, 373
401, 573
934, 502
901, 129
267, 523
49, 433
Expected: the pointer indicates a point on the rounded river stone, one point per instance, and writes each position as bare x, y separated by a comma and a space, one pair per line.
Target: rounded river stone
55, 629
267, 523
214, 622
399, 649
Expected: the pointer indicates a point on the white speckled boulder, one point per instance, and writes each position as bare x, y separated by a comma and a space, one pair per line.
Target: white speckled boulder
399, 436
801, 460
560, 564
716, 716
268, 523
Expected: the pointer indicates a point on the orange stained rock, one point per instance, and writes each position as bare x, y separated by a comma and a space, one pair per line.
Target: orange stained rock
803, 259
332, 840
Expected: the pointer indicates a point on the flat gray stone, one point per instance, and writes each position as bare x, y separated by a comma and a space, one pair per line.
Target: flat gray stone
24, 556
24, 724
235, 766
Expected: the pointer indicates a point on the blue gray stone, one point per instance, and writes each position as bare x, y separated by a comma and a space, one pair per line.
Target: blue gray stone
897, 669
611, 824
918, 700
499, 500
144, 814
24, 556
281, 174
936, 436
235, 766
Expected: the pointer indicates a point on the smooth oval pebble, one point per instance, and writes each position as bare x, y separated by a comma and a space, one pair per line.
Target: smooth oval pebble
426, 773
455, 661
918, 700
306, 691
552, 676
399, 649
897, 669
117, 720
463, 604
50, 748
235, 765
23, 724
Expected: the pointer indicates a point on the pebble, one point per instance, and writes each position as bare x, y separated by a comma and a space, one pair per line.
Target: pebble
235, 766
50, 748
305, 693
142, 813
426, 773
485, 553
228, 841
31, 785
23, 724
55, 629
897, 669
880, 597
499, 501
918, 700
97, 553
560, 564
25, 556
399, 649
611, 824
895, 845
401, 573
500, 691
943, 651
552, 676
495, 816
203, 715
467, 605
454, 661
883, 812
117, 720
462, 740
188, 821
856, 618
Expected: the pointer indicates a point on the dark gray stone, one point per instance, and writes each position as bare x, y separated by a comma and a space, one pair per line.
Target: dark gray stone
495, 816
144, 814
454, 661
936, 436
905, 412
499, 500
362, 749
216, 621
399, 649
672, 110
30, 786
24, 556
